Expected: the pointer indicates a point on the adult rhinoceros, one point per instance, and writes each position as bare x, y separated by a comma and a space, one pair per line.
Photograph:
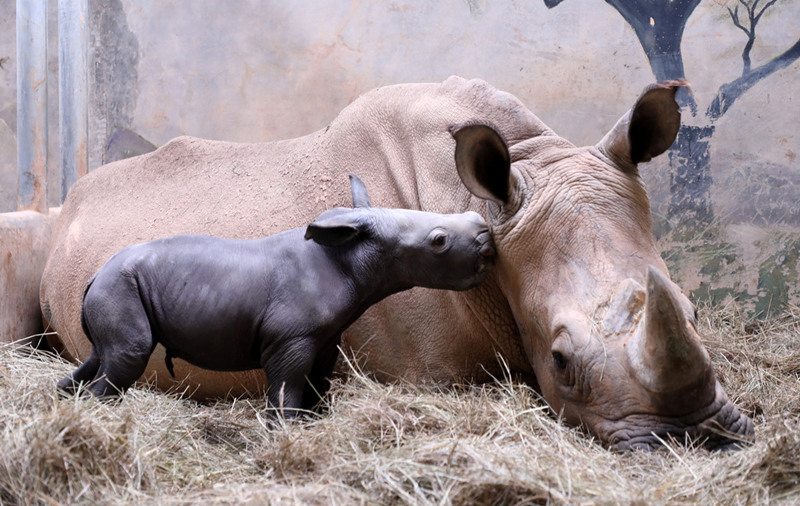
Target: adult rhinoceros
580, 299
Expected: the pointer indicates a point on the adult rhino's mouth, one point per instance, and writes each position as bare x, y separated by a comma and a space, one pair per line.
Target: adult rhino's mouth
725, 429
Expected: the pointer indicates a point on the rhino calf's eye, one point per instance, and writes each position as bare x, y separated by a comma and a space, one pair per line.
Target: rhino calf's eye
559, 360
439, 240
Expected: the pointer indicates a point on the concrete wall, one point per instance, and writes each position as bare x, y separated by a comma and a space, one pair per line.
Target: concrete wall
24, 243
254, 71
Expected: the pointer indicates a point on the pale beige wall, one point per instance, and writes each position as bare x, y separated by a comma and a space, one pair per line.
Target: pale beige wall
255, 72
247, 71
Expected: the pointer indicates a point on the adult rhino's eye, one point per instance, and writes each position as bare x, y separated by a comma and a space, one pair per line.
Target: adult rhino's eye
439, 240
559, 360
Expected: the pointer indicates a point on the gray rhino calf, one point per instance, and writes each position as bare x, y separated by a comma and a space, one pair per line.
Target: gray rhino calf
279, 302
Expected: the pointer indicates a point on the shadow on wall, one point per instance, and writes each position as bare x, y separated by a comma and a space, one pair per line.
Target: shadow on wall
124, 143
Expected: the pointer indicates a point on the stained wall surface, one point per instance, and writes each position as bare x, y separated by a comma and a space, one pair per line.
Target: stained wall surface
725, 198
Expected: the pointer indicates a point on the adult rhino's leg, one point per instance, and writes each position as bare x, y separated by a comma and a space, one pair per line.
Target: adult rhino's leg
82, 375
287, 366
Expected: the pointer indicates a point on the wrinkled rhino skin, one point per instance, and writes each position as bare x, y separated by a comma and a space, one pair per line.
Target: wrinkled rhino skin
579, 299
279, 302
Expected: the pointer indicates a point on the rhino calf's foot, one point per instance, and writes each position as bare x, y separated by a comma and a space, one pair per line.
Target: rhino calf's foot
84, 374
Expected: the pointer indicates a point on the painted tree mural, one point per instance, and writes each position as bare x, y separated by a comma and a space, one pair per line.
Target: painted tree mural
659, 26
729, 92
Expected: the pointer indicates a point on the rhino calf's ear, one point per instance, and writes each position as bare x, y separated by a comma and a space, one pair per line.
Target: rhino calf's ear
334, 231
483, 161
359, 192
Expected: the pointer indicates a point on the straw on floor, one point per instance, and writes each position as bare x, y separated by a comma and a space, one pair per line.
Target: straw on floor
392, 444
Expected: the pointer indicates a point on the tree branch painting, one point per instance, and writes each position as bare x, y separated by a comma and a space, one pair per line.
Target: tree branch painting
729, 92
749, 30
659, 26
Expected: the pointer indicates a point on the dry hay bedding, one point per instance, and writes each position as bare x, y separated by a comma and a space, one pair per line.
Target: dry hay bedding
388, 444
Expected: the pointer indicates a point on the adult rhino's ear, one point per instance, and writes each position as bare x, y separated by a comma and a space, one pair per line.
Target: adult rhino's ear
359, 191
336, 230
483, 162
648, 129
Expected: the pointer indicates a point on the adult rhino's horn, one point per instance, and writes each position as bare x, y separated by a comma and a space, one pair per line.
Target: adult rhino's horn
666, 353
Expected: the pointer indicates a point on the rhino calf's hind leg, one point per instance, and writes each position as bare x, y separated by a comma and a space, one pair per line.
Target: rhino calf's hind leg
121, 337
117, 374
83, 374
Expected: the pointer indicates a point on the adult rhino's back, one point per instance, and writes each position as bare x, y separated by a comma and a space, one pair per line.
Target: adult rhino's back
395, 138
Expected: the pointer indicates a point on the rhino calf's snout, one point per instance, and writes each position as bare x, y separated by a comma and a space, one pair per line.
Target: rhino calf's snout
486, 251
484, 241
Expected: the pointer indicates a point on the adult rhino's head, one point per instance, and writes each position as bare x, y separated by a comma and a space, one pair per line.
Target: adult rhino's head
612, 341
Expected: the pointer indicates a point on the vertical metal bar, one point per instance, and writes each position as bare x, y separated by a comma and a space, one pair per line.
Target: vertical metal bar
32, 104
72, 89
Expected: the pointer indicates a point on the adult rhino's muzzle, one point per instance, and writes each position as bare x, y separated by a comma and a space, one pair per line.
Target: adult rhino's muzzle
726, 429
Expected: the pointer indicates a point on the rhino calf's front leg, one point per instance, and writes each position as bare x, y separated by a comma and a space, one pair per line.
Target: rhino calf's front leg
287, 366
319, 379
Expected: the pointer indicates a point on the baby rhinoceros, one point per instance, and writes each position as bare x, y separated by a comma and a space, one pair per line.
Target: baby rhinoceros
279, 302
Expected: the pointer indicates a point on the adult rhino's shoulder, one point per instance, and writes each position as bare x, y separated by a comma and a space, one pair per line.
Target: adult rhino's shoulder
186, 146
460, 85
180, 143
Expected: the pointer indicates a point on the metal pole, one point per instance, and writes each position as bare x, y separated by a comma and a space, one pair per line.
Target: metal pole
32, 104
72, 89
